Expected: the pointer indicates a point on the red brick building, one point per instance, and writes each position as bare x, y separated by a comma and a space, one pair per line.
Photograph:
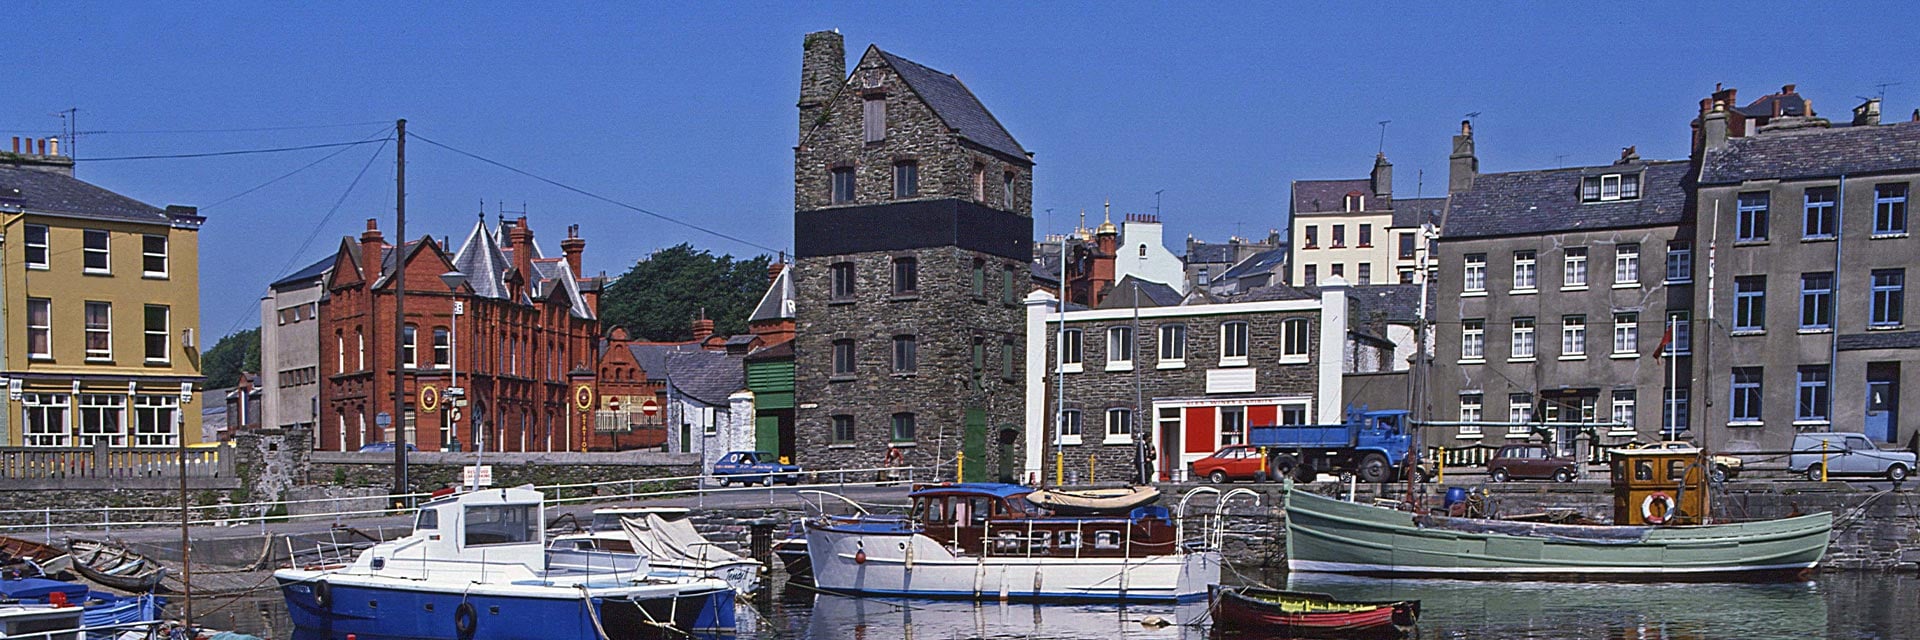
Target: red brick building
528, 343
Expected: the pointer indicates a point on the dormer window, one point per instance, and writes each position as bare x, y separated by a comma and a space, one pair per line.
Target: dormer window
1610, 187
1356, 202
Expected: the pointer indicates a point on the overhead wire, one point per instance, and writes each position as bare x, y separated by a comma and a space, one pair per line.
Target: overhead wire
290, 174
98, 132
238, 152
593, 195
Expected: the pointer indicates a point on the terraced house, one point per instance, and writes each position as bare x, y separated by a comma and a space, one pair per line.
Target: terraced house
102, 303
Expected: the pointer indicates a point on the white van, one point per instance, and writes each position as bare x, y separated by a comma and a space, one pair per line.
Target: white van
1847, 454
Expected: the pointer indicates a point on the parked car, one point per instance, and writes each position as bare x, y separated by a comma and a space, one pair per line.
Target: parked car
755, 467
1724, 466
1230, 463
1530, 461
1847, 454
383, 447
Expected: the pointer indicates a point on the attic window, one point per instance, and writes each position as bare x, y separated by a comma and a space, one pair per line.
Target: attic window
1356, 202
1610, 187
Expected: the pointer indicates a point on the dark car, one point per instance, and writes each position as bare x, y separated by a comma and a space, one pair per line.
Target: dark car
1536, 461
751, 467
383, 447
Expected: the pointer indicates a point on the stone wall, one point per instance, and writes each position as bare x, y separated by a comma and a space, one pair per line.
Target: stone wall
427, 471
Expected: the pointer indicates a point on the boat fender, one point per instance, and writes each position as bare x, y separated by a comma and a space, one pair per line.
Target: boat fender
1666, 508
860, 554
465, 620
322, 594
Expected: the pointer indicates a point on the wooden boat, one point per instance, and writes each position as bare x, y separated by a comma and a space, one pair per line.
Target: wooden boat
1094, 501
115, 566
1292, 614
52, 560
1660, 533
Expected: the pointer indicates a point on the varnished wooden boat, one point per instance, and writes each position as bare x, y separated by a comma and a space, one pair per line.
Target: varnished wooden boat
1256, 612
115, 566
52, 560
1094, 501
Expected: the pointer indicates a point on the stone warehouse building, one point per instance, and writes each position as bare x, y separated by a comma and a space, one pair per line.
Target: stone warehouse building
1805, 302
1180, 380
912, 231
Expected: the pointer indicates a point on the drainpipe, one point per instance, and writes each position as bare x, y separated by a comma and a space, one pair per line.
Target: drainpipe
1833, 342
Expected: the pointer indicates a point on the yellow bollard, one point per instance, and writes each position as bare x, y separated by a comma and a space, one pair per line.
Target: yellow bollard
1823, 460
1059, 468
960, 468
1440, 466
1089, 468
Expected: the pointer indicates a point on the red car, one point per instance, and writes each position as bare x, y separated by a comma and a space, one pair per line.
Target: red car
1231, 462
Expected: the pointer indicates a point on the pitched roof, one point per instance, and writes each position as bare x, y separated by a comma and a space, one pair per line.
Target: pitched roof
1548, 201
955, 105
1319, 196
1152, 294
310, 272
1413, 212
1815, 153
779, 301
64, 195
1263, 262
487, 264
1391, 303
707, 376
1201, 252
1275, 291
652, 356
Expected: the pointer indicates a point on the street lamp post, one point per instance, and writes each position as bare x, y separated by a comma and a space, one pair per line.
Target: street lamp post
454, 280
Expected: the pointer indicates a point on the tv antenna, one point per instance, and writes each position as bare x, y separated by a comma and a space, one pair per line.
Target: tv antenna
1882, 95
1471, 116
1383, 136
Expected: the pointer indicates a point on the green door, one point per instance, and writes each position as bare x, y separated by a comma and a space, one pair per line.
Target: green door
974, 445
766, 433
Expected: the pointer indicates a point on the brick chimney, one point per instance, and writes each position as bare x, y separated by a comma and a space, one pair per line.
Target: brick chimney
823, 69
47, 159
520, 239
702, 329
1463, 165
574, 247
774, 269
370, 245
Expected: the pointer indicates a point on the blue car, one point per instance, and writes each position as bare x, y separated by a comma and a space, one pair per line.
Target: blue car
755, 467
383, 447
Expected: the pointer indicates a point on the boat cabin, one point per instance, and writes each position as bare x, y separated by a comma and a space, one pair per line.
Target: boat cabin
1660, 486
997, 520
490, 532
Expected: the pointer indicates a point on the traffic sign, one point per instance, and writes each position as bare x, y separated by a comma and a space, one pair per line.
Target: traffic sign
649, 408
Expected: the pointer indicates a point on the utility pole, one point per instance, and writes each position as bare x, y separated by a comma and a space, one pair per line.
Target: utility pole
400, 311
186, 544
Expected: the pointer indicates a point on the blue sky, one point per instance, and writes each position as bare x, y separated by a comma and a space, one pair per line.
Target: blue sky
687, 109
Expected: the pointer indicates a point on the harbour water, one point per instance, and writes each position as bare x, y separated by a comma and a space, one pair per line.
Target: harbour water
1839, 605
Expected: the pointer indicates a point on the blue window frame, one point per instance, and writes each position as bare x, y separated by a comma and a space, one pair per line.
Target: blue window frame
1815, 396
1889, 291
1750, 303
1890, 208
1816, 301
1746, 394
1819, 213
1752, 213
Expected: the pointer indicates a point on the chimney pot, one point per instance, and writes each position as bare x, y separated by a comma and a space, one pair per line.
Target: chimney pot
16, 144
54, 144
43, 146
1786, 89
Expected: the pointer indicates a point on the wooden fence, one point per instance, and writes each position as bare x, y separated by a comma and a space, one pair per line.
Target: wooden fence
104, 467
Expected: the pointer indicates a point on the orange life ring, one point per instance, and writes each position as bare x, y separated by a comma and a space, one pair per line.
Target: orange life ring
1666, 508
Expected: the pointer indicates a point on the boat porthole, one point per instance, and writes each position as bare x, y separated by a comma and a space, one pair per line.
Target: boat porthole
493, 611
373, 604
465, 620
429, 607
903, 546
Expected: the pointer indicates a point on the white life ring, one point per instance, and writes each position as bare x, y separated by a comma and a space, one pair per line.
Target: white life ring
1666, 510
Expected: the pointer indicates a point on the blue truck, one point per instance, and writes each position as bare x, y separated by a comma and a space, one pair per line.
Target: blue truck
1371, 445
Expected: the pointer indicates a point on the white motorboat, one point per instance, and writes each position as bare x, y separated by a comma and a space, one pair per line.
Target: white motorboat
665, 541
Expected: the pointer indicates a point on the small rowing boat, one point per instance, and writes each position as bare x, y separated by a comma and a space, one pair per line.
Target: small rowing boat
1094, 501
1253, 611
50, 560
115, 566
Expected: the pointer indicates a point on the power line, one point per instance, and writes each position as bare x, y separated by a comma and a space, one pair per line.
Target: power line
236, 130
596, 196
240, 152
290, 174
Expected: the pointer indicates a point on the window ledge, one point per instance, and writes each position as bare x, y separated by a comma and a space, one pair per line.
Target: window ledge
1469, 436
1750, 243
1473, 361
1171, 364
1677, 354
153, 276
1069, 441
903, 297
842, 445
1626, 285
1525, 360
1622, 434
1807, 239
1812, 423
904, 374
1519, 435
1747, 332
1886, 327
842, 377
1675, 282
1239, 361
1880, 236
1523, 292
1577, 287
902, 444
95, 272
1746, 423
1481, 293
162, 362
1296, 360
1805, 331
99, 359
40, 358
1120, 366
39, 267
1625, 356
1112, 440
1072, 367
1574, 357
839, 301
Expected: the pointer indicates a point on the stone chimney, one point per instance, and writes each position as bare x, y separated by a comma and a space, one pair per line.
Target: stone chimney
1713, 126
520, 239
1382, 181
823, 68
1868, 113
1463, 165
370, 245
47, 158
574, 247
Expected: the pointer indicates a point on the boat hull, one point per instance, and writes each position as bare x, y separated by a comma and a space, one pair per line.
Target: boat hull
1333, 536
852, 561
1245, 615
407, 612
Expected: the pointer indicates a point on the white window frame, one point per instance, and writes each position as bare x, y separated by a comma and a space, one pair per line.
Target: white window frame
103, 408
166, 265
443, 349
44, 245
46, 305
1221, 434
1072, 426
1626, 265
1526, 272
1234, 344
1173, 346
1473, 340
1624, 408
86, 323
1473, 277
1120, 348
1119, 426
1073, 353
1524, 334
1519, 414
1296, 341
1626, 335
106, 252
1573, 263
1472, 409
1573, 337
410, 348
154, 420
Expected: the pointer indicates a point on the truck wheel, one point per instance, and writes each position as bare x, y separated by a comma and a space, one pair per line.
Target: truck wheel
1499, 475
1282, 465
1373, 468
1305, 473
1217, 477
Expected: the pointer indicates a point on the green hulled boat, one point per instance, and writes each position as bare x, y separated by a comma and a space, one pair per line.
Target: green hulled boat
1333, 536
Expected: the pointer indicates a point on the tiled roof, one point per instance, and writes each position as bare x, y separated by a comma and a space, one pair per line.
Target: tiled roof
707, 376
1879, 340
61, 194
1815, 153
1412, 212
956, 106
1548, 201
311, 272
1152, 294
779, 301
1320, 196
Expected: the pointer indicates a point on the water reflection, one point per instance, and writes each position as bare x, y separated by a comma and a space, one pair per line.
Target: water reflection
841, 617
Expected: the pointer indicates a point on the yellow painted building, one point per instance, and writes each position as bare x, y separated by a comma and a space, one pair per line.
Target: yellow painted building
101, 299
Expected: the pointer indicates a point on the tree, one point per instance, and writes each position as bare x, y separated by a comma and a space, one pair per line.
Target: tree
232, 355
659, 298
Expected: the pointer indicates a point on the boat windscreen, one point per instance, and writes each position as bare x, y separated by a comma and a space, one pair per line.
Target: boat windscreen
502, 524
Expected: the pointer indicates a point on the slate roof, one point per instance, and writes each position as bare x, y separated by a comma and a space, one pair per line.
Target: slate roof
487, 264
955, 105
779, 301
1319, 196
707, 376
1152, 294
1263, 262
1879, 340
1791, 104
60, 194
1815, 153
1391, 303
652, 357
1209, 253
1412, 212
775, 352
1275, 291
1548, 201
310, 272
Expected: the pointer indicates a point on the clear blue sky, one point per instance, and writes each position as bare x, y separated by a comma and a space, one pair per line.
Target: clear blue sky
688, 109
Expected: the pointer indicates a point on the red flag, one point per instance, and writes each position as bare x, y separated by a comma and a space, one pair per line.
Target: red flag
1660, 350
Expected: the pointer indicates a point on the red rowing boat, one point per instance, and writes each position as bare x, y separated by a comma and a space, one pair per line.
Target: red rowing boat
1252, 611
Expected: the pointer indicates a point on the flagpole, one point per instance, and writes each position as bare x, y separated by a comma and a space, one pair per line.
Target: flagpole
1673, 379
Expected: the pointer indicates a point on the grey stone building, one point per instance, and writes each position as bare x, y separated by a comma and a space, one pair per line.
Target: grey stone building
1555, 288
1804, 299
290, 348
912, 231
1205, 261
1179, 380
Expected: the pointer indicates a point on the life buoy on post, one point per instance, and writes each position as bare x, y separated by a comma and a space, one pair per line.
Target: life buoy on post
1666, 508
465, 620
